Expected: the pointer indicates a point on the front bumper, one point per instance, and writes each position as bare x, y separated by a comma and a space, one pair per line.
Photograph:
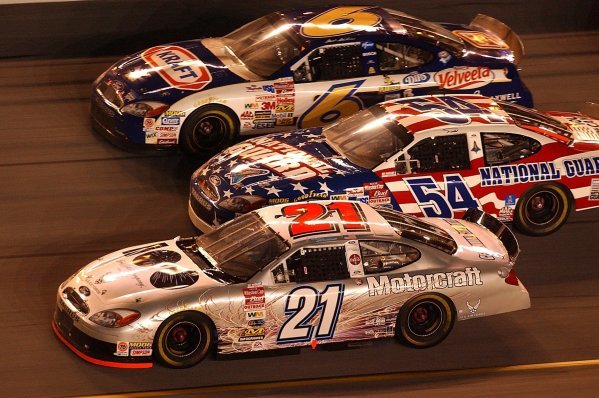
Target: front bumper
123, 131
90, 349
200, 224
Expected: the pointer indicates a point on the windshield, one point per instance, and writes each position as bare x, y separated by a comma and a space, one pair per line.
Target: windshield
367, 138
264, 45
241, 247
417, 230
527, 117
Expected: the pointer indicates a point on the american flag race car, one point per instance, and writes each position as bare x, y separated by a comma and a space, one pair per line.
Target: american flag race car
286, 276
301, 68
433, 155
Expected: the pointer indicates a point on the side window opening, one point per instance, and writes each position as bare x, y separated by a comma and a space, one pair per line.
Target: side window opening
502, 148
317, 264
394, 57
440, 153
380, 256
331, 63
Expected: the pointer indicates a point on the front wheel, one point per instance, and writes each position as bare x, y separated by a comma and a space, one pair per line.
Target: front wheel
208, 130
425, 321
542, 209
183, 340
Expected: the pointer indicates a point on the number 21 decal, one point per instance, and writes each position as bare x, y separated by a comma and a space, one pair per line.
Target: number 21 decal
303, 303
308, 214
429, 197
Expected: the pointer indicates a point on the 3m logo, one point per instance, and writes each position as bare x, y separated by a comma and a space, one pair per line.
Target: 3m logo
178, 67
461, 78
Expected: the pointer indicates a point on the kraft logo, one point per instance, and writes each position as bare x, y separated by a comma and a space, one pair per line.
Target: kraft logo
178, 67
464, 77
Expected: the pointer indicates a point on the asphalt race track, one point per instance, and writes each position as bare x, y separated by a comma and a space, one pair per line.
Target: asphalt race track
68, 197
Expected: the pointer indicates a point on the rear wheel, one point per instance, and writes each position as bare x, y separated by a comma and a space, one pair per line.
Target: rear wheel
543, 209
425, 321
183, 340
208, 130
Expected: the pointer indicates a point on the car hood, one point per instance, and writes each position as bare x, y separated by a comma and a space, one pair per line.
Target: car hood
140, 274
284, 167
172, 71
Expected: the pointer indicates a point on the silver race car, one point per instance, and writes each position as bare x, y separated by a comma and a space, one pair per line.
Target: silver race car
299, 274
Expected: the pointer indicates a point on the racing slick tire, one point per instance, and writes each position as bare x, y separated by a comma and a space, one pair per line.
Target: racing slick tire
184, 339
425, 321
543, 209
208, 130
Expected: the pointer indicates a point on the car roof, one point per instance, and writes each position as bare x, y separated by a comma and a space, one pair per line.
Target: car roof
371, 224
421, 114
392, 23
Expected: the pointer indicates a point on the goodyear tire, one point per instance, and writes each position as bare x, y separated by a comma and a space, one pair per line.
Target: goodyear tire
425, 321
208, 130
543, 209
183, 340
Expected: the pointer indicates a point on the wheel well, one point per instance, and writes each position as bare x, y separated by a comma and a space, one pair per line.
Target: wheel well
205, 317
214, 106
446, 298
571, 199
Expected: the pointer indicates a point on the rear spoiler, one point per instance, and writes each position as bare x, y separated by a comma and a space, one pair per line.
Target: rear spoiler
590, 109
497, 227
502, 31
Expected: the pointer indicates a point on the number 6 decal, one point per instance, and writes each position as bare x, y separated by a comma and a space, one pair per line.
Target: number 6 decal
340, 21
303, 303
338, 101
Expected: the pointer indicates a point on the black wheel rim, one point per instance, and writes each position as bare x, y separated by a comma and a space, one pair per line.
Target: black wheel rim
542, 208
183, 339
425, 319
209, 132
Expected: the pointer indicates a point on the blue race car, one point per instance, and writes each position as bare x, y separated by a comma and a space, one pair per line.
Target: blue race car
301, 68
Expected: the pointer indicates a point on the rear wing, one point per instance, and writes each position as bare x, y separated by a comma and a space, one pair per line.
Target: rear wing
500, 230
502, 31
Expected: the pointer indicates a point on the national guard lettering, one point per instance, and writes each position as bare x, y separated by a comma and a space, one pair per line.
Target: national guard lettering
379, 285
518, 174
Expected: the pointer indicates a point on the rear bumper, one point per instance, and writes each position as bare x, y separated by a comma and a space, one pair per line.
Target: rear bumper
90, 349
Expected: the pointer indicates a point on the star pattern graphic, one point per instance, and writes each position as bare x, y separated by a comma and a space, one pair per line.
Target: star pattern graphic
217, 170
324, 188
249, 190
299, 187
272, 191
227, 193
325, 176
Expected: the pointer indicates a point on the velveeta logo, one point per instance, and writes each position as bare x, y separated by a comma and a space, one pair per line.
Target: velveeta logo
464, 77
178, 67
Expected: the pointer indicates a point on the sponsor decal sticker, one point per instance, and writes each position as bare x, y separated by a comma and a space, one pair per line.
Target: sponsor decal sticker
174, 113
482, 40
170, 120
242, 172
384, 285
464, 77
148, 122
178, 67
122, 349
594, 195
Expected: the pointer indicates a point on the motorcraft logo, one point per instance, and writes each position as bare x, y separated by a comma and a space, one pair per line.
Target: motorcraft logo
464, 77
178, 67
382, 285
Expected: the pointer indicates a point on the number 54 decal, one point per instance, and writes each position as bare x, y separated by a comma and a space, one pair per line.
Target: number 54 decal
303, 303
431, 200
